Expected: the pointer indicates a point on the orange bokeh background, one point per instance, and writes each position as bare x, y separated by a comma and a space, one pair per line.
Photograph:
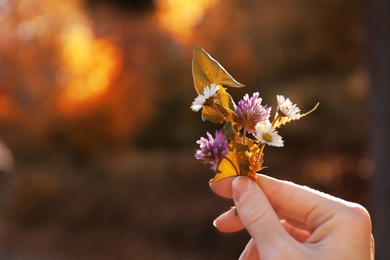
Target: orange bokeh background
94, 107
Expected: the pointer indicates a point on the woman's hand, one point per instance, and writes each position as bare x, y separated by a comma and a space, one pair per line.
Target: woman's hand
289, 221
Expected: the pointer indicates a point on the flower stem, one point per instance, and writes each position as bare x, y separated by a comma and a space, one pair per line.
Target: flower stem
219, 112
243, 136
226, 120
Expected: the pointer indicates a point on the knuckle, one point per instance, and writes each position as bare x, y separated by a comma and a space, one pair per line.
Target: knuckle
358, 215
256, 215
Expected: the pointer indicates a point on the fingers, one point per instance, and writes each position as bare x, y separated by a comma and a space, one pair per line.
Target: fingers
306, 215
256, 214
294, 201
228, 222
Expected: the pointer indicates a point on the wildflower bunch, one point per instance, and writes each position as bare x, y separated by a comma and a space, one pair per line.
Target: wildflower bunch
236, 149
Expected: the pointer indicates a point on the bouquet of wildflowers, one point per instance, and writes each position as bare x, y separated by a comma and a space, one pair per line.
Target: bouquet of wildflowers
236, 149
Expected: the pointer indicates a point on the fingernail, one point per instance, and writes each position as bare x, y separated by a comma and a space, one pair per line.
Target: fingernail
216, 220
241, 185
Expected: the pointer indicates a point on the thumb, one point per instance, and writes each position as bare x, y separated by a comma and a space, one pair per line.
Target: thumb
257, 215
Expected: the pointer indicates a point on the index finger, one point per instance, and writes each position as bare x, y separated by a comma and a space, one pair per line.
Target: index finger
302, 203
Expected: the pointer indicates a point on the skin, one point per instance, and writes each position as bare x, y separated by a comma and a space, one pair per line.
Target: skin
289, 221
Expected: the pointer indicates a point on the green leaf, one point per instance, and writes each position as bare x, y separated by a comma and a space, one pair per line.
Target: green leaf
228, 131
206, 70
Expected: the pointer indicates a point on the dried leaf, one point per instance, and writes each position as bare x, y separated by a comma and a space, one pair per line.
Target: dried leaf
235, 163
225, 99
228, 167
211, 114
206, 70
222, 110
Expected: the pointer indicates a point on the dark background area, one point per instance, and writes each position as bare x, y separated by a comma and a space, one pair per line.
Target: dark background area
95, 108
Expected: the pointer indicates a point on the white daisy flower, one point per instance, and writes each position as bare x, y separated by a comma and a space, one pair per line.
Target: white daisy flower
267, 134
208, 92
288, 108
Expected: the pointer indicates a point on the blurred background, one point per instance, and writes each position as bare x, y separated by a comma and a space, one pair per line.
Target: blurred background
97, 136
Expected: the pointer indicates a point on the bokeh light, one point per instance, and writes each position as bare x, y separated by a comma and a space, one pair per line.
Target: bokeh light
89, 65
180, 17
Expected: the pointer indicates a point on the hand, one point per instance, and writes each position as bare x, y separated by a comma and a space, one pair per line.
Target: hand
289, 221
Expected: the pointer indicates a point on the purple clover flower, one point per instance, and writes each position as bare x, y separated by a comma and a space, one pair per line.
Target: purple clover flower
250, 112
212, 150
